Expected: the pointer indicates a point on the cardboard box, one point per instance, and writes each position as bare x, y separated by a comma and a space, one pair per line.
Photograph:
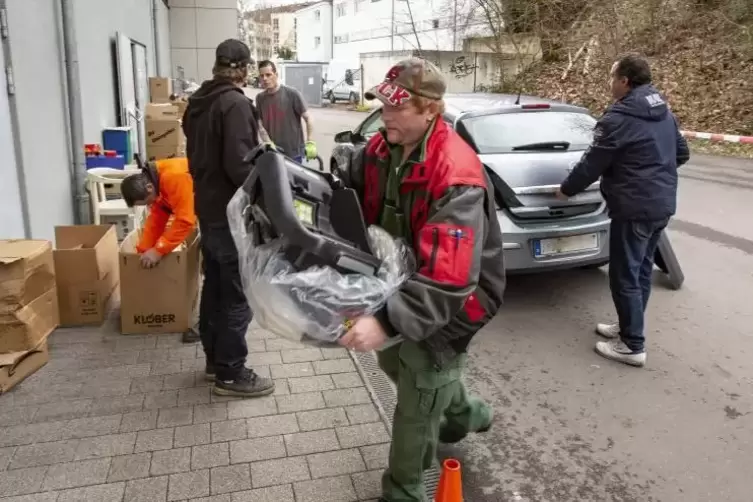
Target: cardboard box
164, 132
15, 367
163, 111
160, 89
154, 152
27, 271
29, 326
86, 271
161, 299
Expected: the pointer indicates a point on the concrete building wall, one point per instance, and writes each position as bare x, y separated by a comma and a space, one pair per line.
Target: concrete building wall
162, 37
196, 28
314, 37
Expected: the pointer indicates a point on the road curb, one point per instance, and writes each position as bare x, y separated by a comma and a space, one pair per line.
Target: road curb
726, 138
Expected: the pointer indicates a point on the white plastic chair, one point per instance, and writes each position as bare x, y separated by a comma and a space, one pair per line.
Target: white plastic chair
96, 180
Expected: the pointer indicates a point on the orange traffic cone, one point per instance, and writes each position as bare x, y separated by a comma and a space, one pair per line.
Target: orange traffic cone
450, 487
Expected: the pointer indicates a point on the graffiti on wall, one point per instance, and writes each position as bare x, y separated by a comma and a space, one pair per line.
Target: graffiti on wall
461, 68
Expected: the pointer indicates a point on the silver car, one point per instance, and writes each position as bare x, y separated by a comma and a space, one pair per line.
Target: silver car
528, 146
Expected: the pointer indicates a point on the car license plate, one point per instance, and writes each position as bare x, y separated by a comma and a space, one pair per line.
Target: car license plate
565, 245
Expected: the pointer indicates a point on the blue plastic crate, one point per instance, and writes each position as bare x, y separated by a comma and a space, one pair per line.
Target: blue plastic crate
117, 139
117, 162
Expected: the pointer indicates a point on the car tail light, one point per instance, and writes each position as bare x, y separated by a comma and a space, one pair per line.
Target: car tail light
536, 106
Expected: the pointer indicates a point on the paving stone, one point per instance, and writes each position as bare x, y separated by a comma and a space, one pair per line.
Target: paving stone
33, 433
36, 497
146, 490
346, 397
129, 467
281, 387
211, 455
187, 485
163, 399
338, 489
43, 454
179, 381
248, 408
157, 439
21, 481
186, 352
300, 402
362, 414
376, 456
119, 404
192, 435
120, 387
17, 415
326, 418
272, 425
106, 446
347, 380
334, 366
229, 430
362, 435
294, 370
310, 384
225, 497
368, 485
63, 410
264, 358
143, 385
301, 355
154, 355
5, 456
95, 426
166, 368
335, 463
280, 493
138, 421
75, 474
276, 344
96, 493
253, 450
197, 395
230, 478
304, 443
279, 471
170, 461
210, 413
257, 346
172, 417
335, 353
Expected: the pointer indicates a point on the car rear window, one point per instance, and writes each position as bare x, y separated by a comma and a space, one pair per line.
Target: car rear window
503, 132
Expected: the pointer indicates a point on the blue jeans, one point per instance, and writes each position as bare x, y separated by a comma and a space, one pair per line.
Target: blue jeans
632, 245
224, 314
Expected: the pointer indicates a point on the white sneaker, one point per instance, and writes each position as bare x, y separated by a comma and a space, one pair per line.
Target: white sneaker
616, 350
608, 330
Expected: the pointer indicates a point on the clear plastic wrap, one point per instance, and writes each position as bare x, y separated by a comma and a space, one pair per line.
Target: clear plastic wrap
313, 306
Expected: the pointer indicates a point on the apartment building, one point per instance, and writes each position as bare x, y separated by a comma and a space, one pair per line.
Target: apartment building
271, 29
314, 38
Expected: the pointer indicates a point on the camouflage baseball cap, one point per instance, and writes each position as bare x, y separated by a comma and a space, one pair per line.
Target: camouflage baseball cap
409, 77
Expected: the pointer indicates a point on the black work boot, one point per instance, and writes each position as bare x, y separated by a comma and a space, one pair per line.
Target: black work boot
192, 335
209, 372
246, 384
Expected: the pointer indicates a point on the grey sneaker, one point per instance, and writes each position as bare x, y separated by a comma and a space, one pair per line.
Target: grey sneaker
246, 384
616, 350
608, 330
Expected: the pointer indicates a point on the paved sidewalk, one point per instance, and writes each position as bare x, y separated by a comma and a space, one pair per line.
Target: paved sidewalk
131, 418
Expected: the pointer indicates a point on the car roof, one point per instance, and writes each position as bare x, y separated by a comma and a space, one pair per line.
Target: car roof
460, 103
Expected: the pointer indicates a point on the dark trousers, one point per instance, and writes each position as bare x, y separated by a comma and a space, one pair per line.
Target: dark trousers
224, 314
632, 245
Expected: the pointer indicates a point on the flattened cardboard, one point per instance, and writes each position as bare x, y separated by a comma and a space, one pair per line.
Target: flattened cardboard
15, 367
26, 328
161, 299
86, 266
26, 272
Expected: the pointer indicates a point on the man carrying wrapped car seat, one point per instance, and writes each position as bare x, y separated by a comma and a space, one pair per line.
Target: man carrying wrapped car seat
420, 181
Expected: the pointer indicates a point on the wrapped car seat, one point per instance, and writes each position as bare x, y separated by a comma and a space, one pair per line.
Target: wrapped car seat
308, 262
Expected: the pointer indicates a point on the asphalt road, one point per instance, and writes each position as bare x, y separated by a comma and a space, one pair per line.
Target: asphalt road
572, 426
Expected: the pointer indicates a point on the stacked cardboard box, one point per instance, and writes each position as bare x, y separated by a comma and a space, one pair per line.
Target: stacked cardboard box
160, 89
164, 133
28, 308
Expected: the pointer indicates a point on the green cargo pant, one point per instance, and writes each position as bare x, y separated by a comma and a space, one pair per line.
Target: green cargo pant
427, 396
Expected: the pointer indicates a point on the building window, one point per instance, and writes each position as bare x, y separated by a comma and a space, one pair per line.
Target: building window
340, 10
341, 39
276, 24
317, 41
372, 1
435, 23
317, 15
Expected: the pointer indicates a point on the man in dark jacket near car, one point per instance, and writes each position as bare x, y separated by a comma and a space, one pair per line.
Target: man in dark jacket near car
221, 128
636, 151
420, 181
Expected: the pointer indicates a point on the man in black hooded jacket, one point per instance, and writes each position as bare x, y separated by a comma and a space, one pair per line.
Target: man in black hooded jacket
636, 151
221, 128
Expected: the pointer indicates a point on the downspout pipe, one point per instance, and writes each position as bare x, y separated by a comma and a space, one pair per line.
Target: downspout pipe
75, 117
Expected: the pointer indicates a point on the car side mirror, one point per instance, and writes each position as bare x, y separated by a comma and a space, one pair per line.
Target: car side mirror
344, 137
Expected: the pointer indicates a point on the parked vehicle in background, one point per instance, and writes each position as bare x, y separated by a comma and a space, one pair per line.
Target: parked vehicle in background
342, 82
528, 146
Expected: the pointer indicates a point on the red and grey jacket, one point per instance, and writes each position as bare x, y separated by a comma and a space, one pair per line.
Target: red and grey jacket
448, 204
